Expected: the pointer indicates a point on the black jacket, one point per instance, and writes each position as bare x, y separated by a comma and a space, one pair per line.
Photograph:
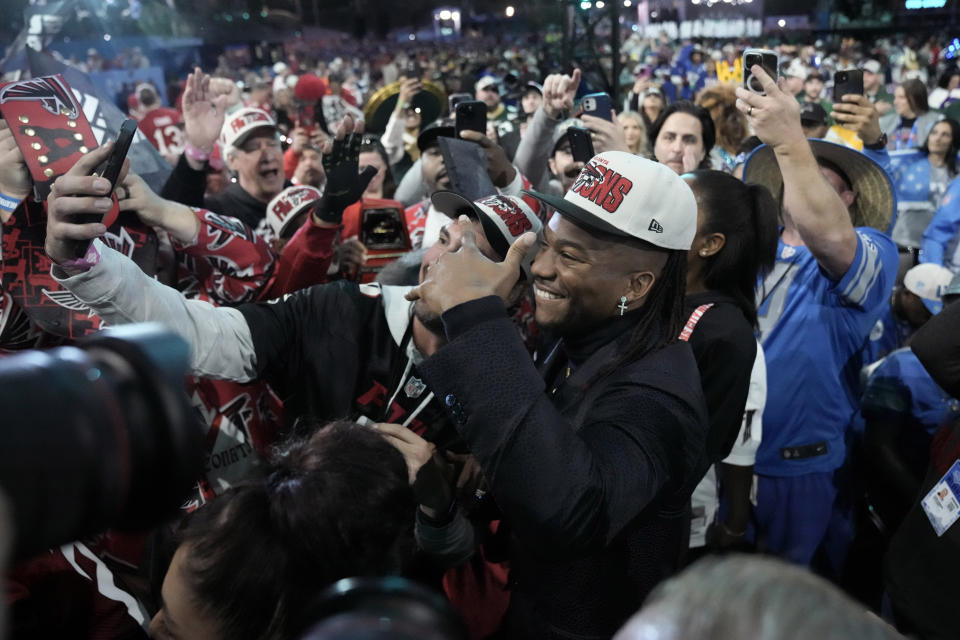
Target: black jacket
186, 185
339, 351
593, 474
725, 348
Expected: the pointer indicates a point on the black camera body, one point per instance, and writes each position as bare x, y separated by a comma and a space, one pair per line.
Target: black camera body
96, 437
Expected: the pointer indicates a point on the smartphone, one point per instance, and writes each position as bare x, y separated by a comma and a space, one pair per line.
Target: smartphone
597, 104
412, 70
111, 171
457, 98
471, 116
848, 81
114, 164
768, 60
581, 146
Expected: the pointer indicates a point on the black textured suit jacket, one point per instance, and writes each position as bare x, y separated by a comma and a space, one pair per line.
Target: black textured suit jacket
593, 476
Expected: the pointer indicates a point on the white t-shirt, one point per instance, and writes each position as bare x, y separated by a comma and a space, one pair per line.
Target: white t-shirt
706, 499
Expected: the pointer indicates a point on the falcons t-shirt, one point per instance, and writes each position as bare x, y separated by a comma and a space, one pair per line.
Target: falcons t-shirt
162, 127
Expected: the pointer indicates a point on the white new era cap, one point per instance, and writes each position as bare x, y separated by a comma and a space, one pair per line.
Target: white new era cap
626, 195
240, 124
284, 208
503, 218
928, 282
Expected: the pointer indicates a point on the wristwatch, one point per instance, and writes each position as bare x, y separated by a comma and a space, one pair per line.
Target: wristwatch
879, 144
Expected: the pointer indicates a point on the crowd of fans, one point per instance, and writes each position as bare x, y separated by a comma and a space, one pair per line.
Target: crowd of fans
538, 382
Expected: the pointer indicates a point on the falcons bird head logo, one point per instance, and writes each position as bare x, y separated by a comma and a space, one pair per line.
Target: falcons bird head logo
51, 92
590, 175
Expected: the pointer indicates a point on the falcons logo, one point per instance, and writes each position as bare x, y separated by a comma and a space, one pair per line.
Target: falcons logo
51, 92
589, 176
68, 301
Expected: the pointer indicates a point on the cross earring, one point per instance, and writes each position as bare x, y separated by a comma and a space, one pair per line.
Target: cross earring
623, 304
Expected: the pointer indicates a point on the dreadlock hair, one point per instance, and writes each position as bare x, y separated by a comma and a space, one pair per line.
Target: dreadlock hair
746, 214
662, 314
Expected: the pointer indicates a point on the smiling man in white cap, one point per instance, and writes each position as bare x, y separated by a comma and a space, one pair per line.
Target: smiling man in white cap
590, 455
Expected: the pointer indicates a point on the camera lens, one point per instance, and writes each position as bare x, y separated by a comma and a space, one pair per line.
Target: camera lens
97, 437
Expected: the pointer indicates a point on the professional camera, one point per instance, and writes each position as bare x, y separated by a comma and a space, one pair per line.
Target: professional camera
389, 608
98, 436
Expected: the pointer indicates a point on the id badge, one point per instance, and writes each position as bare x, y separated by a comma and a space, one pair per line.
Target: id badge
942, 503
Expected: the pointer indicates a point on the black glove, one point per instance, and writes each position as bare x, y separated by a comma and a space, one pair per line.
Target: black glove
344, 184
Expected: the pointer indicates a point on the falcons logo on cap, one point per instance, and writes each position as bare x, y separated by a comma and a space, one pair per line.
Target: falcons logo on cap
51, 92
590, 176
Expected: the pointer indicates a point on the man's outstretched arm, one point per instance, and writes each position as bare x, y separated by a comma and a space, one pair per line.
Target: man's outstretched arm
119, 292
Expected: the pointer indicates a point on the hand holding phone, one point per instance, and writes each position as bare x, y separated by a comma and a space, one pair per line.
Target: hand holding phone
110, 170
768, 60
846, 82
114, 164
70, 204
581, 146
471, 115
597, 104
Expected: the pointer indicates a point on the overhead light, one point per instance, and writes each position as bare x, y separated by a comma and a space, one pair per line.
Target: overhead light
600, 4
781, 23
445, 14
510, 11
412, 37
627, 3
106, 37
586, 4
455, 15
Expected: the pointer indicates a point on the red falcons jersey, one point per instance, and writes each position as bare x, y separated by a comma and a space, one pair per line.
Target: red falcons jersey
226, 265
162, 127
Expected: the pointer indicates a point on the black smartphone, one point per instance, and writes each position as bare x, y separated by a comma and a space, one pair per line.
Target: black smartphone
848, 81
112, 167
111, 171
471, 116
455, 99
768, 60
114, 164
581, 146
412, 70
597, 104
